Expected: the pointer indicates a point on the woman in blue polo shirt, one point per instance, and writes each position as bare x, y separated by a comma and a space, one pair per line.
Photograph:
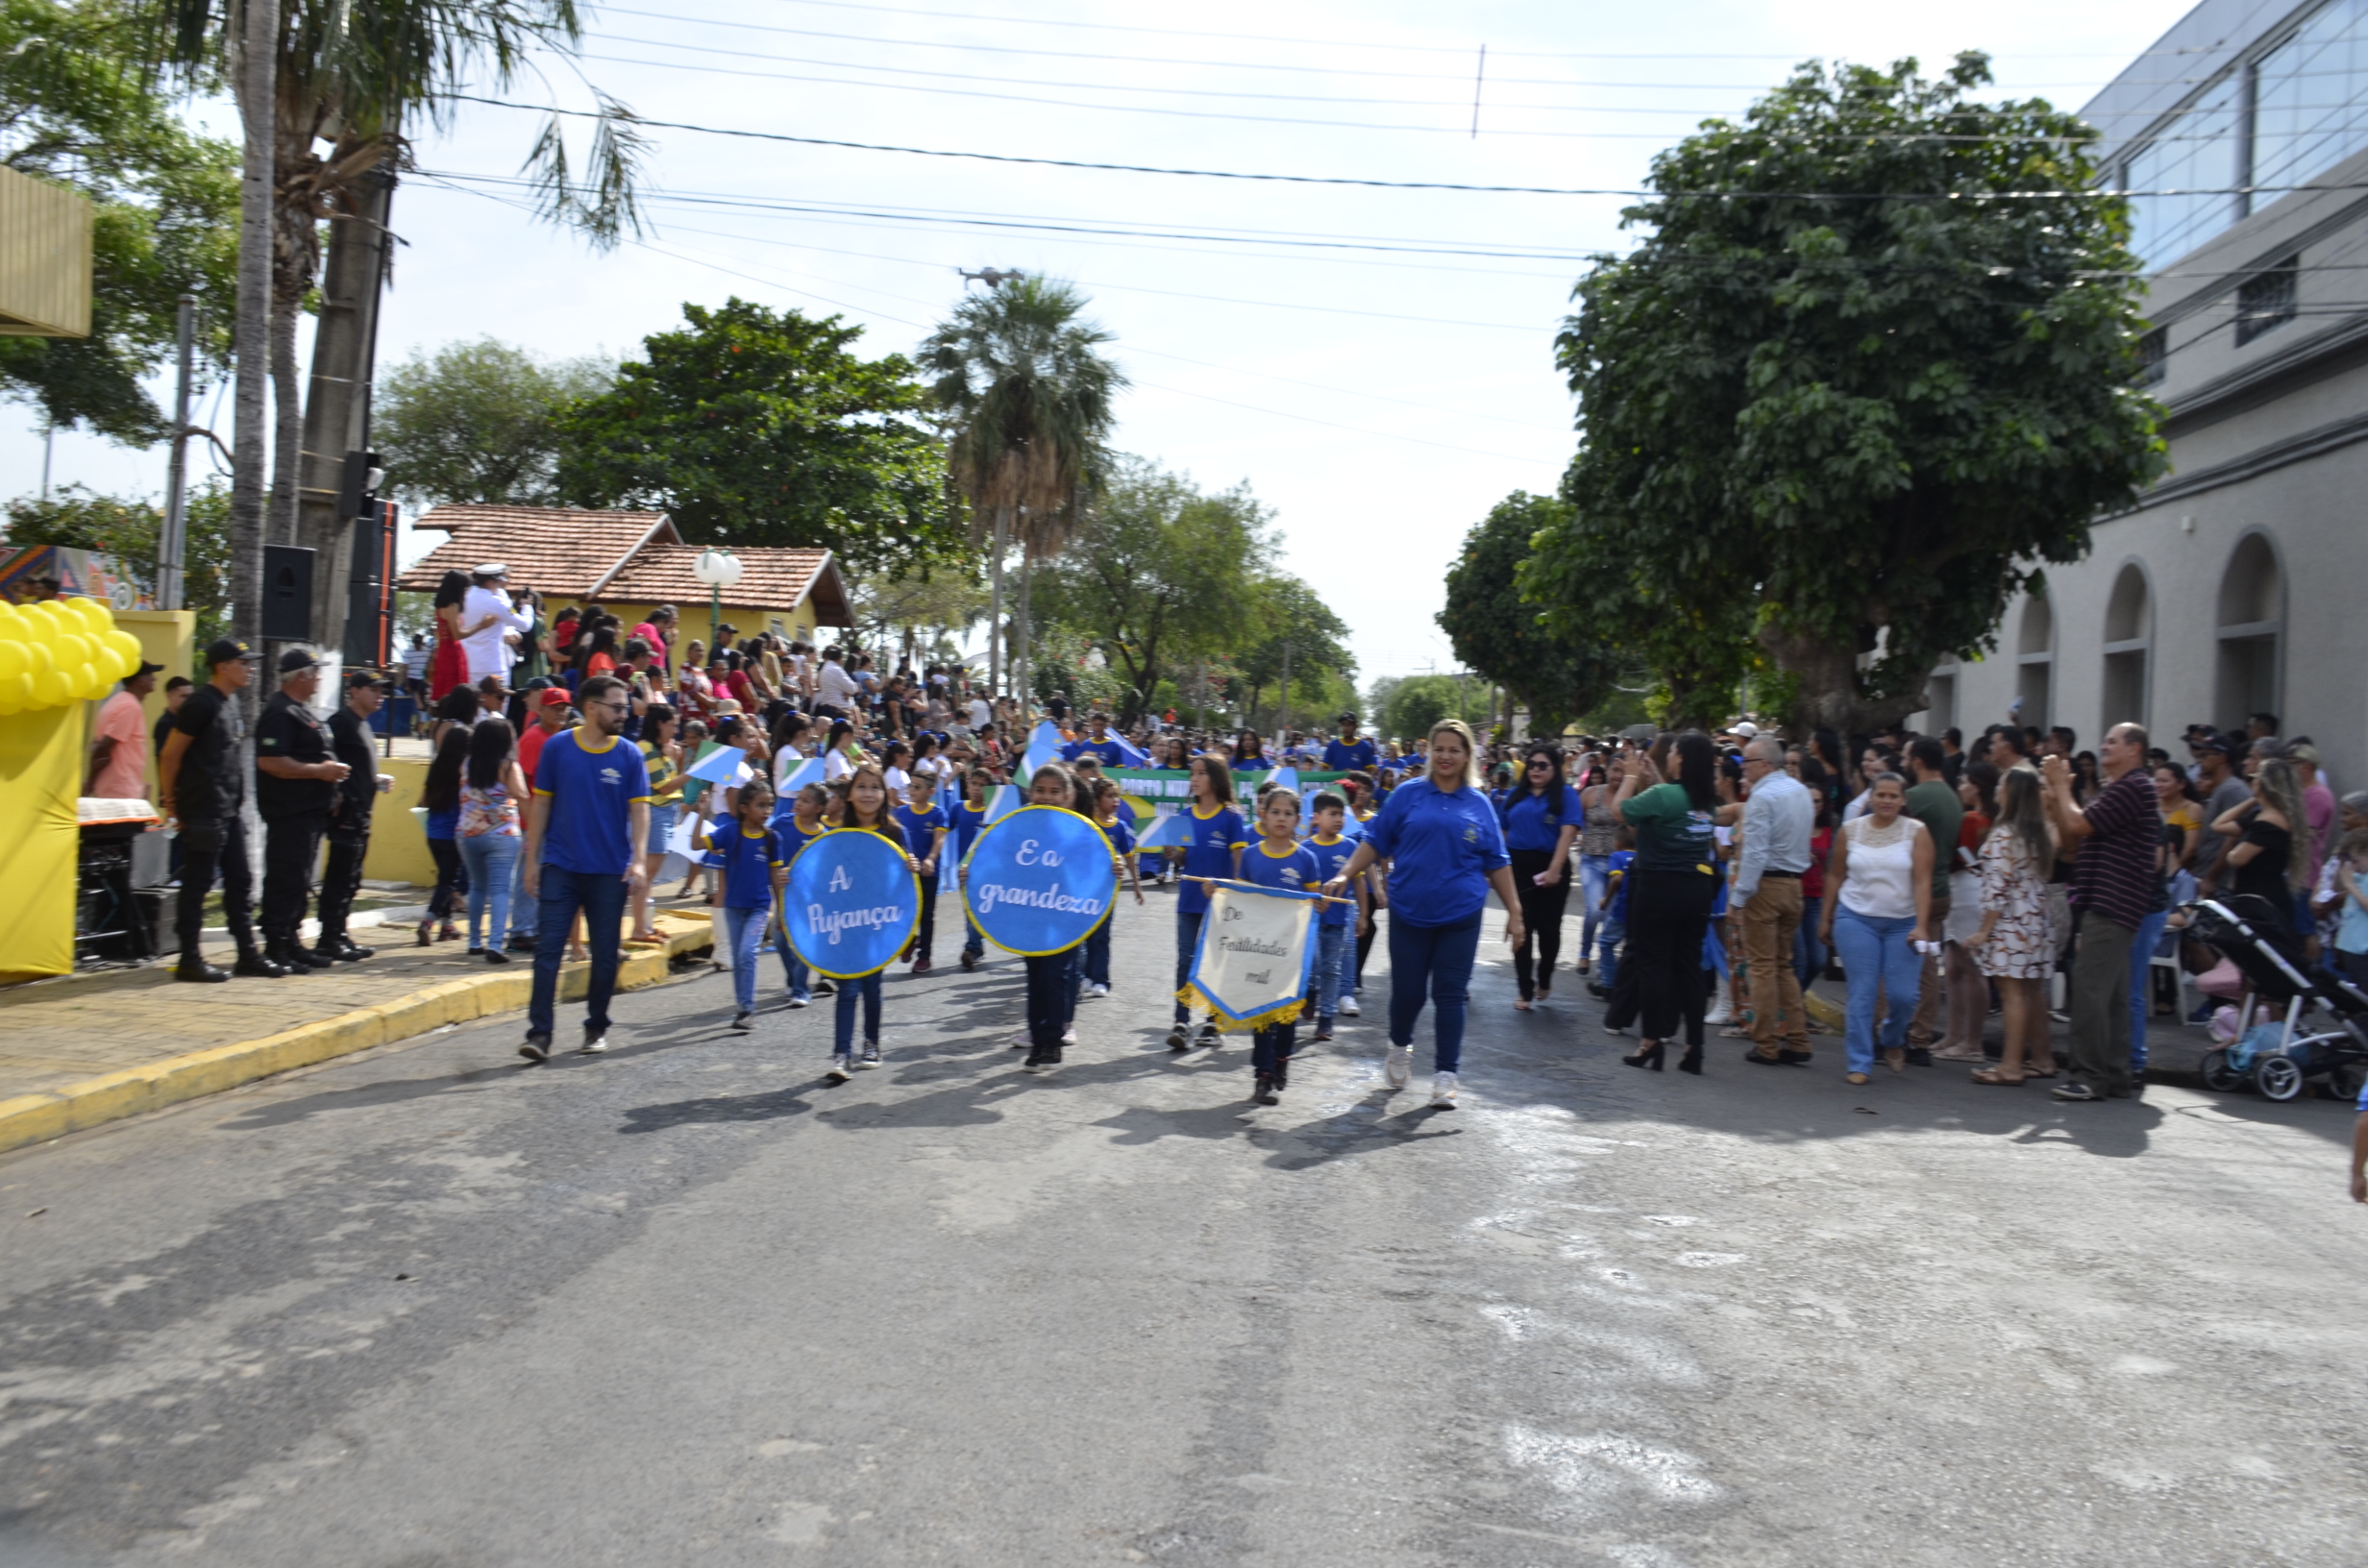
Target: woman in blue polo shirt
1542, 818
1445, 851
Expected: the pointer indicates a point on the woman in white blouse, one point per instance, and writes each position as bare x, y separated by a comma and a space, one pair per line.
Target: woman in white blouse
1877, 906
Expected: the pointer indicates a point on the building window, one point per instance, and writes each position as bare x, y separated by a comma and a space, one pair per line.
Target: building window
1941, 702
2197, 155
2129, 644
2035, 662
2153, 350
2265, 300
2252, 634
2310, 98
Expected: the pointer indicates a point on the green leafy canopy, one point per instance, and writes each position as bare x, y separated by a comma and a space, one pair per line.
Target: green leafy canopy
1501, 635
1845, 395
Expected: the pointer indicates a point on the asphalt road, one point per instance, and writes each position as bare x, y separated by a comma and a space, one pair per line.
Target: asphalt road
687, 1304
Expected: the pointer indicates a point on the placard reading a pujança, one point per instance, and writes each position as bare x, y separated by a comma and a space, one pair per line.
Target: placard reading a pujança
1039, 881
1254, 957
851, 904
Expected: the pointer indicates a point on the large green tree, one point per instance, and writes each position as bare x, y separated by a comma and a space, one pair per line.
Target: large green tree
1160, 573
78, 518
753, 427
479, 421
1291, 630
1498, 633
1856, 383
77, 108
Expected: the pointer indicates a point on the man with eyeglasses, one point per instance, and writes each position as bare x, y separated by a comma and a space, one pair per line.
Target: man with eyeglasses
590, 816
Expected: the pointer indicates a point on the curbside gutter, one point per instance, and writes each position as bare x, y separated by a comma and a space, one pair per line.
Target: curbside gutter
36, 1119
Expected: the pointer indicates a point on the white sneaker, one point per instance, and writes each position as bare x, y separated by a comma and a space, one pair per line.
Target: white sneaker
1068, 1035
842, 1069
1717, 1013
1442, 1090
1348, 1006
1400, 1066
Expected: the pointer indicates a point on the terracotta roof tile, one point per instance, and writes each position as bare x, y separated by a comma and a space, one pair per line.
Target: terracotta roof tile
770, 580
560, 551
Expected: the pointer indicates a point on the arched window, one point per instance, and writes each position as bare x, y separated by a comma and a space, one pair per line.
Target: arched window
2252, 633
2034, 660
2128, 643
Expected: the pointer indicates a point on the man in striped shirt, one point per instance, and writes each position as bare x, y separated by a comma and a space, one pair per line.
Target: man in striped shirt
2114, 886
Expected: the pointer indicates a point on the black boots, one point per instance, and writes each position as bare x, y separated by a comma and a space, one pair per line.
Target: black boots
253, 965
194, 968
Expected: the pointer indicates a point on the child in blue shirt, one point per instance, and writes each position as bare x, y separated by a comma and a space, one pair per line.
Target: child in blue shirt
1279, 860
1218, 838
754, 869
1332, 849
969, 818
924, 825
1613, 934
797, 828
1117, 821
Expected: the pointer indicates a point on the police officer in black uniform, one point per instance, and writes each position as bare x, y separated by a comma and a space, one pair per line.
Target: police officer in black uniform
296, 783
203, 787
349, 820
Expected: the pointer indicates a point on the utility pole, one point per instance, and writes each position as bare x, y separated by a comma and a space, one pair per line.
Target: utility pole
1283, 724
172, 550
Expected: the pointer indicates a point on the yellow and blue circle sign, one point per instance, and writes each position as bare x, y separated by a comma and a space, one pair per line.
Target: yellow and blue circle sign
851, 904
1039, 881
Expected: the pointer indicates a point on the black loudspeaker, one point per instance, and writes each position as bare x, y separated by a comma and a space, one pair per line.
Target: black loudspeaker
287, 594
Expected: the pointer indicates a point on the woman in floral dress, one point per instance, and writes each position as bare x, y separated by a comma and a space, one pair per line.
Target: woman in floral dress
2012, 946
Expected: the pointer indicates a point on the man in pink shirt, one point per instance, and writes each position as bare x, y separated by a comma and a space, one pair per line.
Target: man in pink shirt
119, 741
550, 709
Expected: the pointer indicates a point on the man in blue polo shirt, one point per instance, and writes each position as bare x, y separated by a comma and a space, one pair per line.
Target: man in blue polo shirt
1098, 742
590, 814
1351, 752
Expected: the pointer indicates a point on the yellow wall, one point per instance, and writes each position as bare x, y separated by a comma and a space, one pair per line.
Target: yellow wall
166, 637
398, 838
797, 623
41, 757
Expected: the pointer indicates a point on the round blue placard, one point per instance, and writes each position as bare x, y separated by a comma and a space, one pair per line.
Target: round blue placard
1039, 881
851, 904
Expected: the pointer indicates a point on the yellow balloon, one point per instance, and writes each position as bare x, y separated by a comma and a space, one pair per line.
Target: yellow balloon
12, 623
96, 613
72, 648
39, 631
52, 691
13, 660
129, 654
15, 694
39, 659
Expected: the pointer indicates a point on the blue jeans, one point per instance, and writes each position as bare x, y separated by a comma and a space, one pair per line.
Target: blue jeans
1809, 954
1881, 962
1273, 1046
522, 910
1097, 952
800, 979
1187, 942
2141, 963
1332, 943
1615, 933
492, 860
1595, 876
744, 933
599, 897
843, 1036
1436, 960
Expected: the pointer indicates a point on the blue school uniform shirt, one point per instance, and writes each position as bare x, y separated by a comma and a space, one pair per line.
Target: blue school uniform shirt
919, 826
1112, 755
1120, 830
589, 826
1215, 838
1253, 764
793, 837
747, 859
1621, 861
1349, 756
1331, 859
1535, 821
1296, 871
1441, 847
968, 820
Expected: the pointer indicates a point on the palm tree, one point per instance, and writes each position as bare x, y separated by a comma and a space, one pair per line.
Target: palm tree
1020, 378
353, 72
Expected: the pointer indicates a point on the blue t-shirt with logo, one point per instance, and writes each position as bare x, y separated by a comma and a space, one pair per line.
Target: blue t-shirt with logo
589, 826
1349, 756
1535, 820
747, 859
1441, 845
1120, 830
1215, 838
1111, 753
1331, 859
1296, 870
968, 820
920, 827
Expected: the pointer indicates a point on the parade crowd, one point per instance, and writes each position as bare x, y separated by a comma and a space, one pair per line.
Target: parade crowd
1721, 876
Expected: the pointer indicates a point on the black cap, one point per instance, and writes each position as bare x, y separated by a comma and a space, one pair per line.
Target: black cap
146, 667
223, 649
361, 679
297, 659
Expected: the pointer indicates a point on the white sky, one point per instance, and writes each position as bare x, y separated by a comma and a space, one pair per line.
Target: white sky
1377, 438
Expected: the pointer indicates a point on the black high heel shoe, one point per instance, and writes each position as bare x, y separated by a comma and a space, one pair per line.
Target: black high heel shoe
1649, 1057
1692, 1061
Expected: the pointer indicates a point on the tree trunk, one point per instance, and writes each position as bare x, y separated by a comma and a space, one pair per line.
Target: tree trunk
254, 80
1826, 689
336, 413
994, 603
1020, 652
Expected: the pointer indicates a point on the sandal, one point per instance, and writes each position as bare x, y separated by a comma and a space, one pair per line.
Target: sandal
1896, 1061
1738, 1032
1521, 1004
1855, 1078
2039, 1073
1992, 1076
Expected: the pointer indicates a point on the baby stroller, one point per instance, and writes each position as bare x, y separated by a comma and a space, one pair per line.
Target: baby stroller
2279, 1058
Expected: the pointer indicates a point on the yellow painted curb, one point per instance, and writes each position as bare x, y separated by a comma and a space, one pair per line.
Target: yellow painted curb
36, 1119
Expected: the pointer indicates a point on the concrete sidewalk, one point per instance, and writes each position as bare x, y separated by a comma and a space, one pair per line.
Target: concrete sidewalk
87, 1048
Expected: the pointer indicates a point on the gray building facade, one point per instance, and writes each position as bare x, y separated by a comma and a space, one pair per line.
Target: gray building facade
2241, 581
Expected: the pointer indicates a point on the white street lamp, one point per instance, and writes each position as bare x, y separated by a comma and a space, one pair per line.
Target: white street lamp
719, 570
